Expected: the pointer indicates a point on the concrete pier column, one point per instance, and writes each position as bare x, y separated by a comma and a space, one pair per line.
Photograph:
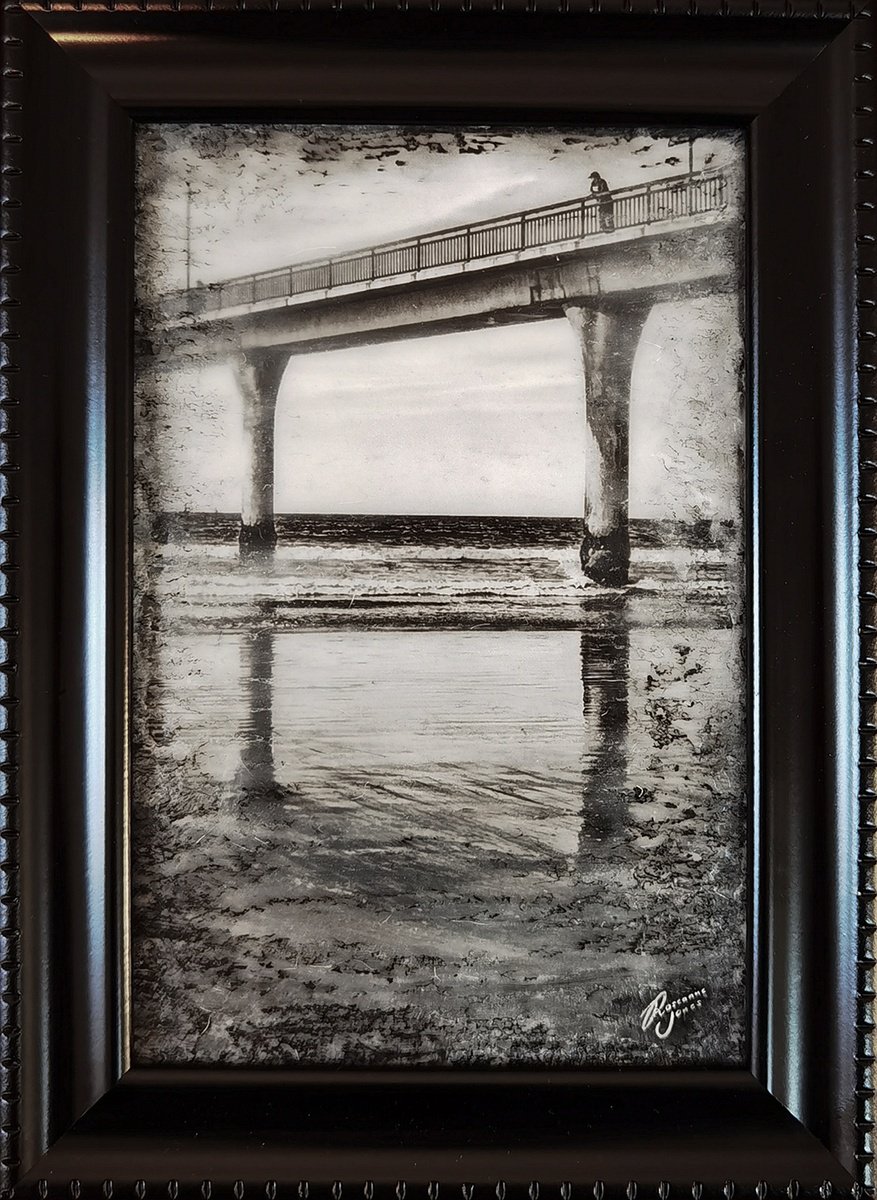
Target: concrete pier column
259, 374
608, 338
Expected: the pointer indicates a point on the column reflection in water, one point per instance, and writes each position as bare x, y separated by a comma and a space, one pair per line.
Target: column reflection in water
605, 658
150, 675
255, 776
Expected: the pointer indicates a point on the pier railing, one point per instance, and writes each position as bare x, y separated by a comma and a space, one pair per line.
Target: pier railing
572, 221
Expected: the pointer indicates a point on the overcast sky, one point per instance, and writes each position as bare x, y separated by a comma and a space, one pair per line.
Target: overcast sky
482, 422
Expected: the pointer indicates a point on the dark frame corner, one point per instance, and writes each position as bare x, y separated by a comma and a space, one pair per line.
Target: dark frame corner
800, 77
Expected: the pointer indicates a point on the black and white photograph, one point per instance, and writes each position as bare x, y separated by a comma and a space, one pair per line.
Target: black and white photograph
440, 619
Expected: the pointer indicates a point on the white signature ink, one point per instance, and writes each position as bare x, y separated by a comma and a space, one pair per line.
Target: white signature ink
661, 1014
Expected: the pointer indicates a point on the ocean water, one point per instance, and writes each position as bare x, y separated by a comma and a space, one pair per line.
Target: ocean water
437, 799
431, 571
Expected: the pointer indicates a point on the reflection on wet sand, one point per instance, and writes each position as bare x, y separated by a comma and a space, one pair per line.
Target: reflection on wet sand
438, 846
605, 671
605, 659
255, 776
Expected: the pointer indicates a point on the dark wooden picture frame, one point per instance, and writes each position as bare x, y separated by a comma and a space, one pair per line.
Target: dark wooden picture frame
75, 1119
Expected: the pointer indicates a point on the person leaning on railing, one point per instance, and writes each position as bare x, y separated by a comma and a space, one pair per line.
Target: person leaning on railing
606, 205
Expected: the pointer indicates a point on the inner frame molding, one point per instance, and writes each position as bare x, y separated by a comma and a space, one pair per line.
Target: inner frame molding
64, 993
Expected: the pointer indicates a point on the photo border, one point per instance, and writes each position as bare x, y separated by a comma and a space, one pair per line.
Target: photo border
153, 364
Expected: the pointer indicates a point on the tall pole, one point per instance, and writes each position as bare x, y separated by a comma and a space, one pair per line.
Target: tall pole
691, 156
188, 235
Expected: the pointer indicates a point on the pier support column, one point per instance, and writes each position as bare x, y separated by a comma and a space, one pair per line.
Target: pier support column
608, 339
259, 374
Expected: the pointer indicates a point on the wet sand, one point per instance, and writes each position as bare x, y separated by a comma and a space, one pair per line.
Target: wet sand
442, 846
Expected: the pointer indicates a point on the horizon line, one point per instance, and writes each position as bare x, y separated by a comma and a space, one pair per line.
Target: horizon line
372, 516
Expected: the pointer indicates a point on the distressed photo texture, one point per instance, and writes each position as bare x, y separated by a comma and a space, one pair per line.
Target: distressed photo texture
440, 621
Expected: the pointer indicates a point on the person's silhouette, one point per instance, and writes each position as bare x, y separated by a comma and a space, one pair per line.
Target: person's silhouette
606, 205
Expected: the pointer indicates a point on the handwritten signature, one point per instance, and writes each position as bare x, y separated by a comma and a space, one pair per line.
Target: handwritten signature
661, 1014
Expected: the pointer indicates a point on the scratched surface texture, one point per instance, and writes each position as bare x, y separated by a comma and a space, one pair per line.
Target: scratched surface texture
414, 785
